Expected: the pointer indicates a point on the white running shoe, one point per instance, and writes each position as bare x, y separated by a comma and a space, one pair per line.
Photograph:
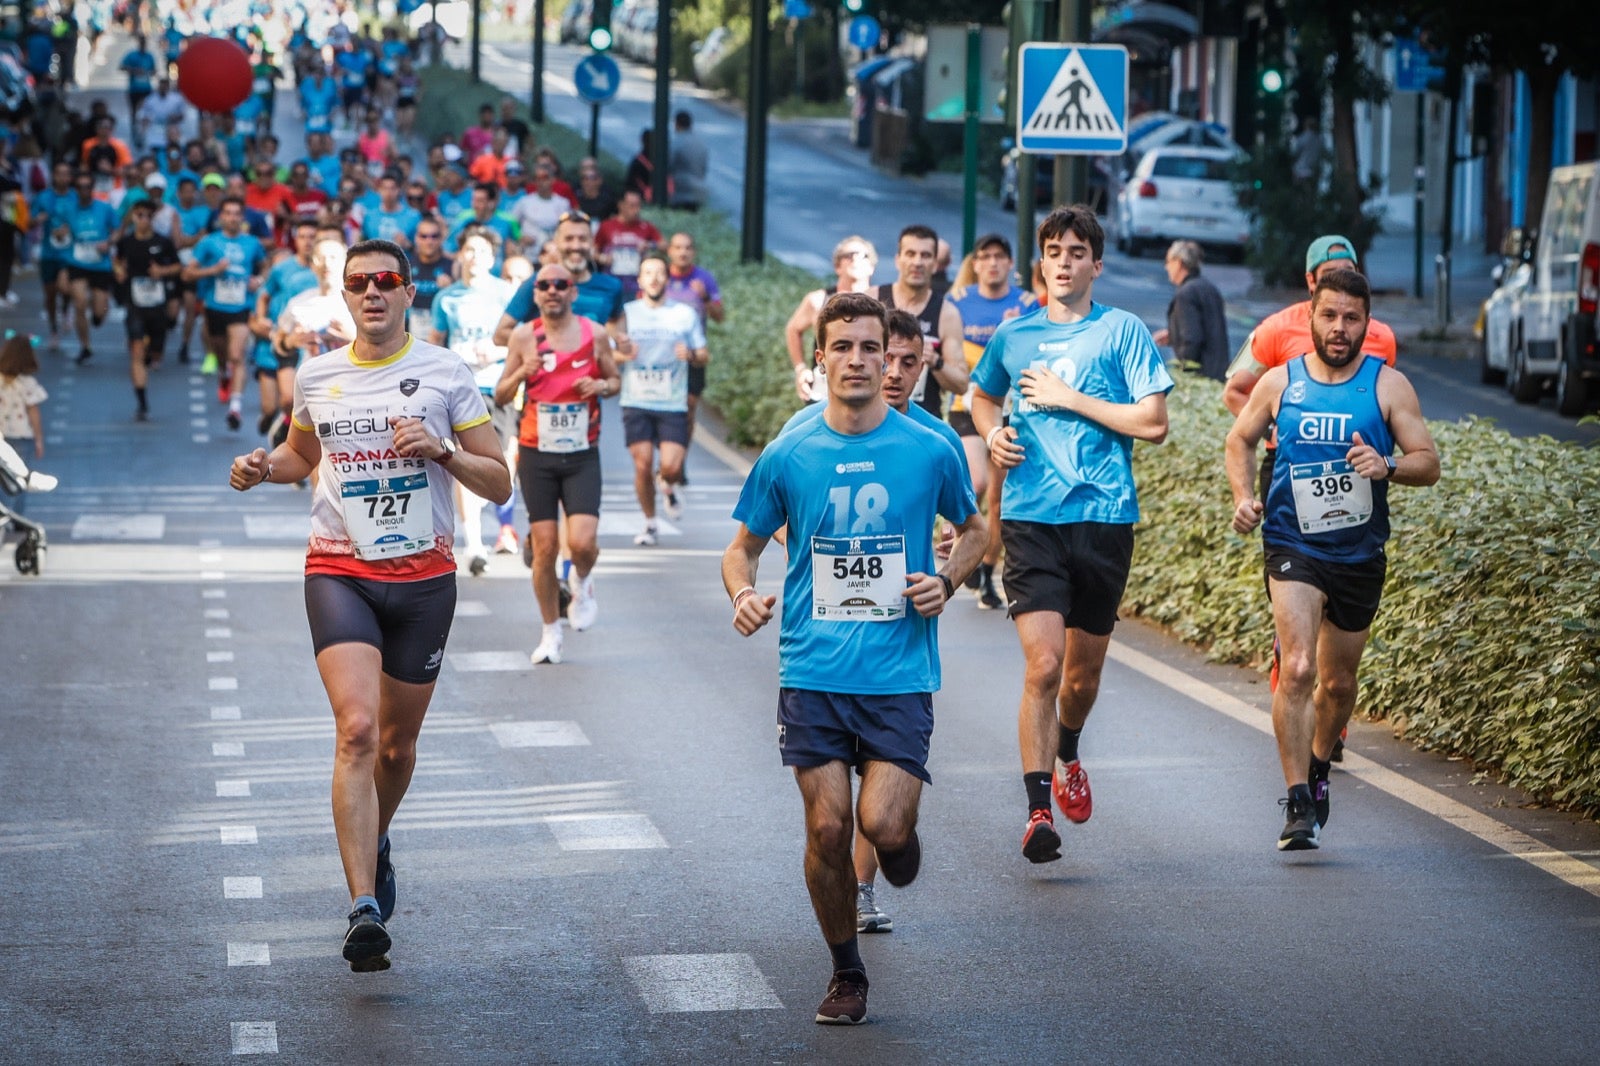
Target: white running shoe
549, 649
584, 608
647, 537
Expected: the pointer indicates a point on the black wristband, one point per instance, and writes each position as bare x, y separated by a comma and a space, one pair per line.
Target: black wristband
949, 587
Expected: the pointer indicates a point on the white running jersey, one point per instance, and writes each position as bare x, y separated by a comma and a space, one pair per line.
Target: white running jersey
375, 513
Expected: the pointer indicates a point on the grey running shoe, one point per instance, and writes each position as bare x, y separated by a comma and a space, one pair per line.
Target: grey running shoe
846, 1001
1299, 827
869, 919
366, 942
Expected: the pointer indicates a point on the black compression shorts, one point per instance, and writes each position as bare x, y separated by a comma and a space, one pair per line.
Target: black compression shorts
408, 621
551, 481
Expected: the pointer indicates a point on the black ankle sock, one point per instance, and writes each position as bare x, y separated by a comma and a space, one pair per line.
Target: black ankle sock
1067, 742
1038, 786
847, 956
1320, 768
1302, 793
143, 404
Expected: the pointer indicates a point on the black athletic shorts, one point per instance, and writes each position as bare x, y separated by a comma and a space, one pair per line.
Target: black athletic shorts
961, 422
657, 427
816, 728
559, 480
217, 322
1077, 570
147, 323
99, 280
1353, 589
697, 379
408, 621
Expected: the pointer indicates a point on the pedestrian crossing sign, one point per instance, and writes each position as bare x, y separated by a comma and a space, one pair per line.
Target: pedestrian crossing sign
1073, 99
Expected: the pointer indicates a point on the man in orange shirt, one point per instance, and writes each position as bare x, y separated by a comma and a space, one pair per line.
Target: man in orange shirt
273, 199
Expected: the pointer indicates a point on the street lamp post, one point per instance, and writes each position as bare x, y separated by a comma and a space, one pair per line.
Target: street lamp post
753, 240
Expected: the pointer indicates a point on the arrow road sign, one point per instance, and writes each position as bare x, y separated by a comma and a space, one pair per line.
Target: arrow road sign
597, 78
1073, 99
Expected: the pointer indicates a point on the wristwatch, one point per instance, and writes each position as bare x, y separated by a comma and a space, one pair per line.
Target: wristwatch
449, 447
1388, 460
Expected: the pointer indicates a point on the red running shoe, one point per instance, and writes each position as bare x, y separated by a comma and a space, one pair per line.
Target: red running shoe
224, 391
1040, 841
1070, 786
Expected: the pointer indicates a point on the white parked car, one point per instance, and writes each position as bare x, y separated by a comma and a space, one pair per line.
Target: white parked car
1182, 193
1500, 325
709, 52
1557, 339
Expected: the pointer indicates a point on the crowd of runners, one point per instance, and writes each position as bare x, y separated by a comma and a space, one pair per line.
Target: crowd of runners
428, 336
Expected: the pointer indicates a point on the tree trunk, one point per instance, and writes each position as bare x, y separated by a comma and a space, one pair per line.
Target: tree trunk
1345, 84
836, 84
1542, 83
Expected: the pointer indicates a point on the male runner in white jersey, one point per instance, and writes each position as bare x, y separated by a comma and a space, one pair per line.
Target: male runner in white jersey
390, 423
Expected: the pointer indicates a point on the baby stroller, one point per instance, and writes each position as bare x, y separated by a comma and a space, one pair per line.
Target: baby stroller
16, 479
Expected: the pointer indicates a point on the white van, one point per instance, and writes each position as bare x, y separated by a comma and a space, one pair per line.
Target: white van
1557, 343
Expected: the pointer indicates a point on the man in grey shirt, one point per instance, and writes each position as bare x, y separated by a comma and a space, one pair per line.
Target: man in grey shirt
1197, 323
687, 164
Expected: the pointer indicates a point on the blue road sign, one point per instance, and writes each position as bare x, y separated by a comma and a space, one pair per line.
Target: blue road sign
796, 9
1073, 99
597, 78
1413, 69
864, 32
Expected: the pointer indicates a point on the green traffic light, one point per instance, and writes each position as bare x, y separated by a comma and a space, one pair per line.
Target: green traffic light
854, 6
1271, 80
600, 39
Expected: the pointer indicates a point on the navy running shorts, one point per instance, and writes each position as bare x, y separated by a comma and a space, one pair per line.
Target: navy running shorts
816, 728
1354, 590
1078, 570
657, 427
408, 621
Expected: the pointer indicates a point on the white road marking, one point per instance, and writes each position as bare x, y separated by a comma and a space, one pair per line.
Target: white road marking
234, 789
254, 1038
471, 609
210, 557
538, 734
219, 656
119, 527
213, 575
210, 542
225, 714
196, 394
241, 888
613, 524
724, 454
1537, 853
237, 834
197, 408
243, 954
469, 662
214, 594
677, 983
227, 749
295, 527
219, 633
200, 438
198, 423
216, 614
223, 684
605, 832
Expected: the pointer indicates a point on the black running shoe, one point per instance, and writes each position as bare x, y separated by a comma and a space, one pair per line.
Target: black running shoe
1299, 827
900, 867
1041, 842
974, 580
264, 423
366, 941
84, 356
384, 889
988, 598
234, 420
1319, 792
846, 1001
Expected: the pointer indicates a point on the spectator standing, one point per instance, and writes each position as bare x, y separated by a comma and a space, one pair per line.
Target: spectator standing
640, 168
538, 210
1197, 323
688, 163
594, 196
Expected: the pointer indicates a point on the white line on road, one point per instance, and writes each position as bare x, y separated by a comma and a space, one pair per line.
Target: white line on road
227, 749
219, 633
216, 614
472, 662
605, 832
680, 983
214, 594
200, 438
225, 714
241, 888
241, 954
539, 734
233, 789
254, 1038
237, 834
471, 609
1574, 872
213, 575
223, 684
219, 656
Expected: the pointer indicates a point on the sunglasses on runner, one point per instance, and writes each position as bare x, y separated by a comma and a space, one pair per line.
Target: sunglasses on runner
386, 280
573, 216
553, 285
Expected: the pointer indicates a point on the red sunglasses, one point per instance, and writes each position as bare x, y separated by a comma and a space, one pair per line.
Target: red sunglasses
386, 280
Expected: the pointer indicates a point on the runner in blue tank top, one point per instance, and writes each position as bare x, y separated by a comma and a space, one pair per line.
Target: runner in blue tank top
1338, 416
859, 489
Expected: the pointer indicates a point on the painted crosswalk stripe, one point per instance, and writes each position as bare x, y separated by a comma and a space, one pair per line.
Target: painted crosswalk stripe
471, 609
119, 527
679, 983
290, 527
219, 633
605, 832
219, 656
213, 594
469, 662
237, 834
241, 954
225, 714
254, 1038
241, 888
216, 614
223, 684
200, 438
538, 734
227, 749
233, 789
213, 575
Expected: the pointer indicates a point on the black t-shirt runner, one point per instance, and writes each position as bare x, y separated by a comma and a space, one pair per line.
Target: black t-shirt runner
139, 254
931, 397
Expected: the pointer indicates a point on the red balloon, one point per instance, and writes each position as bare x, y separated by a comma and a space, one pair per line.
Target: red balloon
214, 74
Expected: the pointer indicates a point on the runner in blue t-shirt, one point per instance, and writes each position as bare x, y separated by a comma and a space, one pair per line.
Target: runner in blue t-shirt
1085, 381
354, 64
82, 227
228, 265
140, 66
53, 250
859, 489
391, 218
599, 295
983, 307
290, 276
663, 341
319, 95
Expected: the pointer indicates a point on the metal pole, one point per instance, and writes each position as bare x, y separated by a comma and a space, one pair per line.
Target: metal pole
1027, 18
437, 49
536, 100
477, 40
753, 244
1075, 26
1416, 210
969, 183
659, 143
594, 130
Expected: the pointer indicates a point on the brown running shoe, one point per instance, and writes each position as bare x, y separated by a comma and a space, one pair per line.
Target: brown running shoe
846, 1001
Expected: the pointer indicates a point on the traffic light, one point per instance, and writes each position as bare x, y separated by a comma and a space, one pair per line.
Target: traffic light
1272, 80
855, 7
600, 26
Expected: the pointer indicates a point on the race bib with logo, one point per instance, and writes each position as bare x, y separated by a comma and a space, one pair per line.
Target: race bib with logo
147, 292
652, 384
388, 516
1329, 495
625, 261
86, 252
858, 579
230, 290
563, 427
